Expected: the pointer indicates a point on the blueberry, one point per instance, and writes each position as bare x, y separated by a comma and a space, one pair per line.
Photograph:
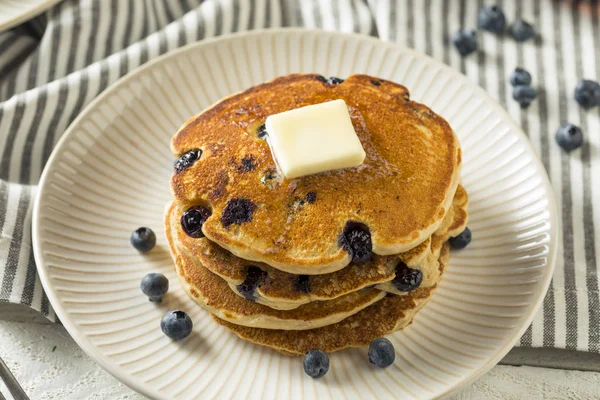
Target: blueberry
143, 239
316, 363
332, 80
176, 325
254, 278
407, 279
311, 197
381, 352
356, 240
193, 219
522, 30
155, 286
569, 136
375, 82
524, 95
462, 240
587, 93
237, 211
321, 78
186, 160
520, 77
491, 19
465, 41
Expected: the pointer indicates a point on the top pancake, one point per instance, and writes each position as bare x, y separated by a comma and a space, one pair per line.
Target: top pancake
401, 192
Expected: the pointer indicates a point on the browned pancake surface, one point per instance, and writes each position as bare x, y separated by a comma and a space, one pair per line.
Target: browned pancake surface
401, 192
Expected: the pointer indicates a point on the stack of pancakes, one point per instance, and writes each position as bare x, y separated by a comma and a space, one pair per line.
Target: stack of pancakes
325, 261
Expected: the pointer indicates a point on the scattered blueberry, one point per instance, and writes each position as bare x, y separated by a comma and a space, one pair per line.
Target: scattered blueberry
569, 136
176, 325
520, 77
381, 352
522, 30
262, 131
254, 277
524, 95
316, 363
193, 219
155, 286
356, 240
237, 211
587, 93
491, 19
407, 279
465, 41
462, 240
311, 197
332, 80
143, 239
303, 284
186, 160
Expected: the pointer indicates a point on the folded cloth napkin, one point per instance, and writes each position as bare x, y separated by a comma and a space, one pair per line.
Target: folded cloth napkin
54, 65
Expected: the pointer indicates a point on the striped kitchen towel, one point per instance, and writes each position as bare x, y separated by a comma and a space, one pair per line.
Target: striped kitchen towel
52, 66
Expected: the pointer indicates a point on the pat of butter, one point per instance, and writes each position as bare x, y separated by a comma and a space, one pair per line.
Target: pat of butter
314, 139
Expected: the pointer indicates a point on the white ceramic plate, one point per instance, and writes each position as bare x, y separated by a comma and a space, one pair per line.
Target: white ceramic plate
15, 12
109, 175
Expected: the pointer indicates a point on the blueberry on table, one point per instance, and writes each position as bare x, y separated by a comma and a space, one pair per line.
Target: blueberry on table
381, 352
587, 93
520, 77
524, 95
462, 240
176, 325
569, 136
155, 286
522, 30
465, 41
491, 19
316, 363
143, 239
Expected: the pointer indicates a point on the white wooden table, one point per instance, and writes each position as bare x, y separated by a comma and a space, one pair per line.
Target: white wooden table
49, 365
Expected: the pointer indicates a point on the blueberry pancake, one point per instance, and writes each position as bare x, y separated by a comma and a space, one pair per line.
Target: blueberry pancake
284, 291
213, 293
379, 319
319, 223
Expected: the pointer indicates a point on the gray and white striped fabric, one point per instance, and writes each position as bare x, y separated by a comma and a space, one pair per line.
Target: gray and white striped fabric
55, 64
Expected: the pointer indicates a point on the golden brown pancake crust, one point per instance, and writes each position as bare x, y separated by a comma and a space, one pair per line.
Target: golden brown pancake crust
215, 295
401, 192
384, 317
282, 290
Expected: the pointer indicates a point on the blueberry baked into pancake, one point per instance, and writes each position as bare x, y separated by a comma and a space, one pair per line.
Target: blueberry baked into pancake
314, 213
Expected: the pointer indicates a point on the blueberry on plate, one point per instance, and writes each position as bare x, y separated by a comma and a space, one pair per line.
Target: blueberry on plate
587, 93
522, 30
569, 136
491, 19
465, 41
520, 77
143, 239
524, 95
176, 325
316, 363
462, 240
381, 352
155, 286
